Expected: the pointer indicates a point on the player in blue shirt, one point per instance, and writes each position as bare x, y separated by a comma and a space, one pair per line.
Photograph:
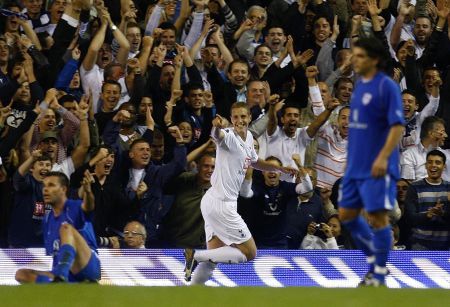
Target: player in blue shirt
68, 234
376, 127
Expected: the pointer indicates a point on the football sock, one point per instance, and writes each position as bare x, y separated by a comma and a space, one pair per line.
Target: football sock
65, 259
42, 279
225, 254
382, 241
361, 234
202, 273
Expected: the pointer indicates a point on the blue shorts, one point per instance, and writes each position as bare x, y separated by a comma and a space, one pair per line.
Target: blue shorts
91, 272
372, 194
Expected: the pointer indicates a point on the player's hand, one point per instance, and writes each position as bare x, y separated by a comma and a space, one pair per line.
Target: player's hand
379, 167
219, 122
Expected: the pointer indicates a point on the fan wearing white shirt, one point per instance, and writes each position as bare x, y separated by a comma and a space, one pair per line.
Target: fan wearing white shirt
228, 237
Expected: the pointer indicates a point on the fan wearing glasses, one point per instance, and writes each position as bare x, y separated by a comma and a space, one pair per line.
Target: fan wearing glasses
134, 235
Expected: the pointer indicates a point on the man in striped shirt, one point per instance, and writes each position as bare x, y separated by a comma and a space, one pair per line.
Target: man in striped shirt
332, 141
427, 207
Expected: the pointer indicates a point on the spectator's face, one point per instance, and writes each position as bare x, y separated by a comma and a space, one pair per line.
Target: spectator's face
256, 145
324, 92
157, 149
255, 94
57, 9
48, 121
104, 56
105, 165
53, 191
435, 166
409, 105
186, 131
290, 120
71, 106
343, 120
12, 24
146, 102
196, 99
134, 38
110, 96
49, 146
170, 7
276, 39
75, 82
344, 91
429, 77
335, 226
401, 55
272, 179
17, 69
168, 39
402, 188
117, 72
258, 17
362, 63
33, 6
140, 155
438, 134
422, 30
23, 93
263, 56
238, 75
359, 7
167, 75
206, 168
4, 52
40, 169
309, 20
322, 29
212, 54
134, 235
240, 118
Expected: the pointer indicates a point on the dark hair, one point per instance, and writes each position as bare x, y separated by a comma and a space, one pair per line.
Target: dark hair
428, 125
111, 82
436, 152
343, 108
261, 46
124, 105
205, 155
410, 92
67, 98
399, 46
167, 26
273, 158
43, 157
333, 216
287, 106
430, 68
133, 25
63, 180
238, 61
342, 80
426, 16
374, 49
192, 86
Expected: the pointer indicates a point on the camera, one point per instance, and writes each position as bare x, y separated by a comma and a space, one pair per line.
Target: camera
318, 226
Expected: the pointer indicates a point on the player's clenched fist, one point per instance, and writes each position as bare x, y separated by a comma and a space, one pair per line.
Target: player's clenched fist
219, 122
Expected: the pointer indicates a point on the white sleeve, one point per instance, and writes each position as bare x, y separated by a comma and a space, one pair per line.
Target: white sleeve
407, 166
309, 242
303, 138
246, 189
331, 243
304, 186
429, 110
316, 100
67, 167
195, 30
153, 21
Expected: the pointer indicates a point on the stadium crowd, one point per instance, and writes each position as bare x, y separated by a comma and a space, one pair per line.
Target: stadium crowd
127, 90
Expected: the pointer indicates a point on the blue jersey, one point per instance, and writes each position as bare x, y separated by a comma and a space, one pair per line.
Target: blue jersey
74, 215
376, 106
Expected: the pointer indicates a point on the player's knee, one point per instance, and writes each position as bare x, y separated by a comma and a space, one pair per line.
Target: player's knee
346, 215
22, 276
65, 229
378, 220
251, 253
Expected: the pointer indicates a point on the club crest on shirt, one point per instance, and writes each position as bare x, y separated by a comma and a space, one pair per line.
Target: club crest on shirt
367, 97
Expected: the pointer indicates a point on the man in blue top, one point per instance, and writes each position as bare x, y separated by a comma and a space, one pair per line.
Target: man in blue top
376, 127
68, 234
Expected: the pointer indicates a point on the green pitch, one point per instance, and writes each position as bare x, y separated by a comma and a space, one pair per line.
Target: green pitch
94, 295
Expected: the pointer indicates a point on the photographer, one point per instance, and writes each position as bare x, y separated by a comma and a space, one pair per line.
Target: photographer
322, 236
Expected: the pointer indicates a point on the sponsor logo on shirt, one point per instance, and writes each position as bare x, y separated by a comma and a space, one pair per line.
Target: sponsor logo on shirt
367, 97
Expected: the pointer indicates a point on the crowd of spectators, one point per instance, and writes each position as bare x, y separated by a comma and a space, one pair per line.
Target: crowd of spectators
128, 90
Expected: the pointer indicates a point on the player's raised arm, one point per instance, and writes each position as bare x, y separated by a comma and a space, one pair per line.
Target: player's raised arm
88, 197
270, 167
218, 123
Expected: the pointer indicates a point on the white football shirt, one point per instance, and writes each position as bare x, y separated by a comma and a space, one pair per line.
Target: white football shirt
233, 157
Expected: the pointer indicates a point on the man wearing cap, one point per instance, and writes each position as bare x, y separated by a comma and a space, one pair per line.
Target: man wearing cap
48, 144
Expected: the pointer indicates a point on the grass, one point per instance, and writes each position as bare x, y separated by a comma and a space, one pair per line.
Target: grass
95, 295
